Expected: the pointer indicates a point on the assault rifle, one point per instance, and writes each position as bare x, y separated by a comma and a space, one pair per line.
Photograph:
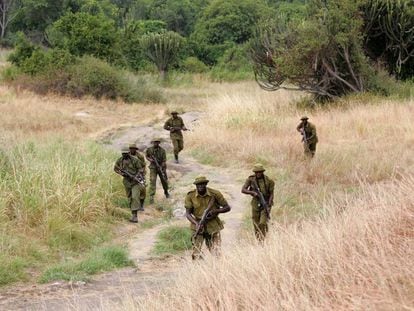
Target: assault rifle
159, 169
304, 138
139, 178
173, 129
204, 218
262, 202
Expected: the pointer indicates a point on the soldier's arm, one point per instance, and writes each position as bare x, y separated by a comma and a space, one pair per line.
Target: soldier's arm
117, 168
221, 201
299, 127
189, 210
164, 160
167, 125
272, 190
183, 125
246, 189
148, 156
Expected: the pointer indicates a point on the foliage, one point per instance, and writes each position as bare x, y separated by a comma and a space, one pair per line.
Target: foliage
83, 33
194, 65
162, 49
389, 31
131, 45
233, 65
322, 55
24, 49
225, 21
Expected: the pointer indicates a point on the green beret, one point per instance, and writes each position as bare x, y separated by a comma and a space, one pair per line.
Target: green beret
201, 180
258, 168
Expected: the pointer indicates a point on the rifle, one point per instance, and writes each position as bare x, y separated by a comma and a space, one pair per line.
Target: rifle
139, 178
262, 202
204, 218
304, 138
163, 176
176, 128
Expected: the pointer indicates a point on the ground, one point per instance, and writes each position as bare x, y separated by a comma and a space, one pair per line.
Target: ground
150, 272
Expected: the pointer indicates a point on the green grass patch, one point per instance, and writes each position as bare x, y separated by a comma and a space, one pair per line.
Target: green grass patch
98, 260
12, 270
172, 240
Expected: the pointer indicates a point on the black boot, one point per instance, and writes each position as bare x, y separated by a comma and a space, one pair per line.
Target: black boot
141, 206
176, 158
134, 217
167, 195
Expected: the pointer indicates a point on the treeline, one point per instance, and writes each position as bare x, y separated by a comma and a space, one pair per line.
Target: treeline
326, 47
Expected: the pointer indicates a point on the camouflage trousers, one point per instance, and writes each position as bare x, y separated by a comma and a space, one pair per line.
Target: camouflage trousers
309, 149
178, 144
153, 182
135, 193
259, 222
213, 243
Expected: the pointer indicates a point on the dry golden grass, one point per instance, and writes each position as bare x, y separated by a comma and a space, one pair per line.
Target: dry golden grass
24, 115
357, 259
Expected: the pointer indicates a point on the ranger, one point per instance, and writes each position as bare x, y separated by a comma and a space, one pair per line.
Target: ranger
158, 167
175, 125
202, 208
134, 151
309, 137
261, 188
133, 172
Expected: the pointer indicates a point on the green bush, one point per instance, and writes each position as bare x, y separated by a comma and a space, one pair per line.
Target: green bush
23, 50
193, 65
234, 65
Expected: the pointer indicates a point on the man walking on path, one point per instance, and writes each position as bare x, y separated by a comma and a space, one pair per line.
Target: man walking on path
260, 185
158, 167
202, 208
309, 137
175, 125
133, 172
134, 151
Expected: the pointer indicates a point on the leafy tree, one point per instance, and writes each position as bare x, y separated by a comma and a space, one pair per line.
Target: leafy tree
82, 33
179, 15
322, 55
8, 12
224, 22
162, 49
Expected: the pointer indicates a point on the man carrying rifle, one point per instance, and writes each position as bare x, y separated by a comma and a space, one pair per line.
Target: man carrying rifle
133, 172
175, 125
309, 137
261, 188
202, 208
134, 151
158, 167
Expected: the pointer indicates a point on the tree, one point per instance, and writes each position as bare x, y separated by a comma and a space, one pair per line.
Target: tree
162, 49
389, 34
322, 55
223, 23
82, 33
8, 12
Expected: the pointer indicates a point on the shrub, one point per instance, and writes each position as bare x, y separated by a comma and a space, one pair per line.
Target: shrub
194, 65
233, 65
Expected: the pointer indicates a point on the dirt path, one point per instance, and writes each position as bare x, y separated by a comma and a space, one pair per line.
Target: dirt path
152, 273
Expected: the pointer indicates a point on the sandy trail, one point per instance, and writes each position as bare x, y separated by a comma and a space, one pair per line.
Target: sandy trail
151, 273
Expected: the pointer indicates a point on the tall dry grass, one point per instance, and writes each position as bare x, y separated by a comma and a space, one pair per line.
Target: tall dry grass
356, 257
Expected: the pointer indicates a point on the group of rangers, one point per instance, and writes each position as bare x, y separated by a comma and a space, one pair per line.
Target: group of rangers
203, 204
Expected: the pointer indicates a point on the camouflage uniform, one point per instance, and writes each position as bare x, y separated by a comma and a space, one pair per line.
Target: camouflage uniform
133, 189
160, 156
259, 218
196, 204
311, 136
176, 135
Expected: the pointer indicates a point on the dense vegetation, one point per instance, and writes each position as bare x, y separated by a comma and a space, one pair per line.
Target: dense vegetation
329, 48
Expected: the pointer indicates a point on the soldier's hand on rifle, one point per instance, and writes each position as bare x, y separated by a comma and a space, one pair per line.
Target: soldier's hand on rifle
199, 227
